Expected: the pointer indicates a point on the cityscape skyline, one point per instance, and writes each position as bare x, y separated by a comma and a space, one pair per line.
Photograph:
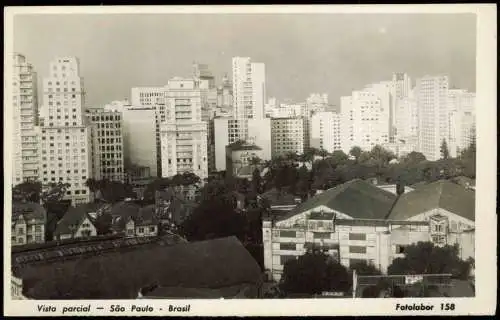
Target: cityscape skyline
386, 38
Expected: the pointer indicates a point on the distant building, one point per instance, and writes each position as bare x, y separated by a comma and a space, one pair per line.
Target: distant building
174, 206
16, 288
25, 135
287, 136
184, 135
138, 177
107, 144
279, 201
325, 131
239, 157
145, 224
139, 137
28, 223
225, 133
76, 223
259, 133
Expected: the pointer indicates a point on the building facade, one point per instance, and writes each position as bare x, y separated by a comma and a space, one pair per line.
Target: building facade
107, 144
184, 135
287, 136
25, 119
65, 144
139, 138
28, 223
433, 113
325, 131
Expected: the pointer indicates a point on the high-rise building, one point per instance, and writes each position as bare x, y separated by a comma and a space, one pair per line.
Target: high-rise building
325, 131
139, 138
287, 136
25, 119
259, 134
249, 92
225, 93
462, 120
107, 144
152, 97
65, 145
184, 135
317, 103
401, 88
365, 119
433, 113
406, 124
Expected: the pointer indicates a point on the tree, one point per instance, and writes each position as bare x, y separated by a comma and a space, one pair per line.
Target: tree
425, 258
414, 157
365, 269
322, 153
445, 153
256, 181
355, 152
27, 191
54, 192
313, 273
92, 184
103, 223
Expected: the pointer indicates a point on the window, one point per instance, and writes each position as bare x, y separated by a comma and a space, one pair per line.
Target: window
400, 249
357, 249
288, 246
321, 235
141, 230
287, 233
357, 236
152, 229
353, 262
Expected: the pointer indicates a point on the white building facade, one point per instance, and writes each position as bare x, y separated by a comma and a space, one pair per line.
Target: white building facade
65, 133
287, 136
325, 131
184, 135
25, 119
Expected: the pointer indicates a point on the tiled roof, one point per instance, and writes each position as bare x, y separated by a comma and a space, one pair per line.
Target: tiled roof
439, 194
211, 264
29, 210
74, 217
356, 198
146, 216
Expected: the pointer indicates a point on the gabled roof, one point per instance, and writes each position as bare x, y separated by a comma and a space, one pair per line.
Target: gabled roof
30, 210
211, 264
357, 198
146, 216
442, 194
74, 217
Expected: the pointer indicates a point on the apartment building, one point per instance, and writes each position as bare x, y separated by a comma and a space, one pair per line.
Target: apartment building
462, 120
107, 144
65, 143
287, 136
139, 138
325, 131
338, 222
28, 223
184, 135
249, 91
25, 119
433, 114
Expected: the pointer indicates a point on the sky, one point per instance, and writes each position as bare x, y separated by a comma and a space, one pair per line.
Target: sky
304, 53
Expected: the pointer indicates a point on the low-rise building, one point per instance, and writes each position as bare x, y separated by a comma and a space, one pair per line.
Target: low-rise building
28, 223
76, 223
145, 224
239, 159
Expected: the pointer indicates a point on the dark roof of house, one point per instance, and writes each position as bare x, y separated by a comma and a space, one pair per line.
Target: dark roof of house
146, 216
442, 194
211, 264
279, 198
74, 217
357, 198
121, 212
30, 210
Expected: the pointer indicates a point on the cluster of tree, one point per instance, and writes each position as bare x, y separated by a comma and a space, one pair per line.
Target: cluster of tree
315, 271
290, 172
109, 190
184, 179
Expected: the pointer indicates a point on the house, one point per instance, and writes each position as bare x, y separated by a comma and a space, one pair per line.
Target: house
220, 268
144, 224
172, 206
347, 222
76, 223
28, 223
279, 200
121, 212
239, 157
16, 288
448, 207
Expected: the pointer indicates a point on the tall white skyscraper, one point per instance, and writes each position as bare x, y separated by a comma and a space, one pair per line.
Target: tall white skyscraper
25, 119
406, 118
249, 92
325, 131
365, 117
65, 132
433, 113
401, 87
139, 137
184, 135
462, 120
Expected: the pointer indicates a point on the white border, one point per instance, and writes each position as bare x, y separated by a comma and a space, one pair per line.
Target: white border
482, 304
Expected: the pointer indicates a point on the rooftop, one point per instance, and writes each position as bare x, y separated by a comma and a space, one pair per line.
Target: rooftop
357, 198
212, 264
243, 145
442, 194
74, 217
29, 210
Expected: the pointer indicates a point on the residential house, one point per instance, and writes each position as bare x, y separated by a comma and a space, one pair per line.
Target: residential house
121, 213
16, 288
279, 201
28, 223
76, 223
144, 224
172, 206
